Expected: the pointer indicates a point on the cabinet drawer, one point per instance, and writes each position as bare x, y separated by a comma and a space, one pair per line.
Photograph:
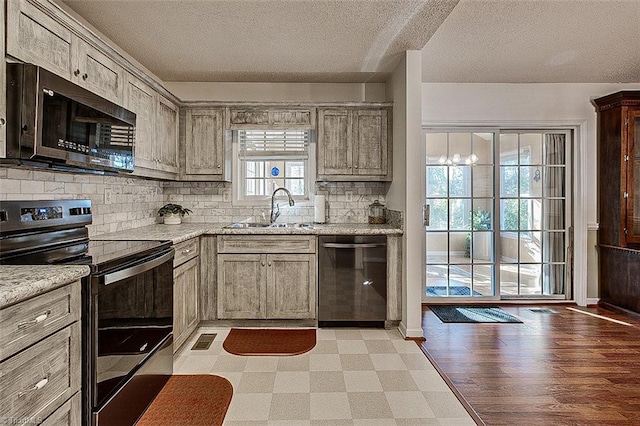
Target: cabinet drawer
27, 322
266, 244
186, 250
36, 381
68, 415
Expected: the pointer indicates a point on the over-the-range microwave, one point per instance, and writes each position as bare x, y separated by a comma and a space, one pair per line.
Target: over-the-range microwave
54, 122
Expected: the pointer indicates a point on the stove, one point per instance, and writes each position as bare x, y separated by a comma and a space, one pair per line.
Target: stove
127, 312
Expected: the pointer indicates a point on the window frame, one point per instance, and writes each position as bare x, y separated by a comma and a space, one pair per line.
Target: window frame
238, 172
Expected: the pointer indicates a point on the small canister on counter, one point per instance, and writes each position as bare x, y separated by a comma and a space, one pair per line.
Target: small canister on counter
377, 213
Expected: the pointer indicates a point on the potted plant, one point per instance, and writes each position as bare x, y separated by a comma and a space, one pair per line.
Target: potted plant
480, 221
173, 213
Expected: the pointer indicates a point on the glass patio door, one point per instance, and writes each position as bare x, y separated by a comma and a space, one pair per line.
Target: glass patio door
459, 212
497, 215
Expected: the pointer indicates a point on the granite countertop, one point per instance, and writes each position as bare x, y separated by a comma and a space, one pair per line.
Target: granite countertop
188, 230
18, 283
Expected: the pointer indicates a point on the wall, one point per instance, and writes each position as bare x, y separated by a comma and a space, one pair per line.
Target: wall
347, 202
278, 92
518, 105
406, 191
121, 202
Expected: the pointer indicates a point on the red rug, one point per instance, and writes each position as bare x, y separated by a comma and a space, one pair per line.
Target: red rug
198, 400
269, 341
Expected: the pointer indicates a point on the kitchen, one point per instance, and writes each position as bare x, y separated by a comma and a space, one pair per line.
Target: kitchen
122, 203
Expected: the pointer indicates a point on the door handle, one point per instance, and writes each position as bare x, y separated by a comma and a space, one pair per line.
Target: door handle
427, 214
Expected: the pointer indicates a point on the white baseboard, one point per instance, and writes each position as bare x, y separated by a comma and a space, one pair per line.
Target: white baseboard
592, 300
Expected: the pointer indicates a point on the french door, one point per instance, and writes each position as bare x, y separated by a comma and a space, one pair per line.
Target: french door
497, 214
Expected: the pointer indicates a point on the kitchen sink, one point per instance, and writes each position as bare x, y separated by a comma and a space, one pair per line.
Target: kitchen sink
270, 225
248, 225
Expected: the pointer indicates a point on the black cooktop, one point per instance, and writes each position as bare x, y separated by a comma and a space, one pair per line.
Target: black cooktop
104, 255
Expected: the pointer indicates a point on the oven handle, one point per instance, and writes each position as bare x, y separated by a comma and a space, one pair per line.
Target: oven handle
356, 245
136, 269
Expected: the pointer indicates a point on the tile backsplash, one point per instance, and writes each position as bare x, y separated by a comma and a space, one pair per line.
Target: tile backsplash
125, 202
118, 202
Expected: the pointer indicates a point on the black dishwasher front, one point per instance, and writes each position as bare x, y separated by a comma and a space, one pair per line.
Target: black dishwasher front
352, 281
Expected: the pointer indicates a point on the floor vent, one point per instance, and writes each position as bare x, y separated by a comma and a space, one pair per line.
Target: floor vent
203, 342
543, 310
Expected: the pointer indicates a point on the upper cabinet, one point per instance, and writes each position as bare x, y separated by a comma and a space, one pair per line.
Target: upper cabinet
354, 144
202, 149
619, 169
156, 142
166, 135
35, 37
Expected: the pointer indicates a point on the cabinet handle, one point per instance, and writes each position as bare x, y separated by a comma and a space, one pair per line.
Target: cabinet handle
76, 73
42, 383
263, 263
219, 166
355, 167
2, 121
186, 251
85, 76
269, 263
34, 321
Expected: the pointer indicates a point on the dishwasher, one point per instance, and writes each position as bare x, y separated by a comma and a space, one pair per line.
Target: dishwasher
352, 281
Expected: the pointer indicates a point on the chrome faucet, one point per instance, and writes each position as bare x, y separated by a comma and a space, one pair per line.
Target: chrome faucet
275, 211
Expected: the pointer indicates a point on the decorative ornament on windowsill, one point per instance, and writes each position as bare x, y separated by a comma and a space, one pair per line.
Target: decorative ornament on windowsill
172, 213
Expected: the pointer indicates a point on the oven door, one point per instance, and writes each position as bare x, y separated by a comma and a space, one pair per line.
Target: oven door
132, 327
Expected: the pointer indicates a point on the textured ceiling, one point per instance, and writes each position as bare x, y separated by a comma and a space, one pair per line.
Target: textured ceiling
266, 40
543, 41
362, 40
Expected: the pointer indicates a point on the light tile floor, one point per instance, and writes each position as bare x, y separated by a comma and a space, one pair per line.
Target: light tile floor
352, 377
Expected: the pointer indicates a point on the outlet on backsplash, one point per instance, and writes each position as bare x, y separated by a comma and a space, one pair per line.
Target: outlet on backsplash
348, 195
108, 195
226, 196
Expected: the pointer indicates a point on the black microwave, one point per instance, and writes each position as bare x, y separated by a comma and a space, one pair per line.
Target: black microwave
54, 122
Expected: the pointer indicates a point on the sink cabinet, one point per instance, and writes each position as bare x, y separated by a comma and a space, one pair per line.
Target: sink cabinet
266, 277
186, 280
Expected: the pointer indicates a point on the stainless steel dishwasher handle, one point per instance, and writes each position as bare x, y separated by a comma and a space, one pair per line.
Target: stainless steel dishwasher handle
354, 245
137, 269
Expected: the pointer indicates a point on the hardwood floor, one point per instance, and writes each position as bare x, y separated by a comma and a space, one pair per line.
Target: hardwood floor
564, 368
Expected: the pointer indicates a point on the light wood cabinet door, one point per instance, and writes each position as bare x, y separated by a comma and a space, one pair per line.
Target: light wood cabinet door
96, 72
141, 100
166, 135
291, 290
186, 278
335, 151
39, 379
354, 144
204, 142
241, 286
36, 38
370, 151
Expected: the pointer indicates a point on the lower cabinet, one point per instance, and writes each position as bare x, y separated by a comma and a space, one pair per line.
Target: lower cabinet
186, 282
40, 372
266, 285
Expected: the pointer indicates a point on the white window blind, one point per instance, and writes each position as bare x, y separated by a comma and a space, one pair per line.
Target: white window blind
269, 159
274, 144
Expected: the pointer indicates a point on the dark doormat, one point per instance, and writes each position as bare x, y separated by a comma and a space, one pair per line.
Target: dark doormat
190, 400
269, 341
476, 314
